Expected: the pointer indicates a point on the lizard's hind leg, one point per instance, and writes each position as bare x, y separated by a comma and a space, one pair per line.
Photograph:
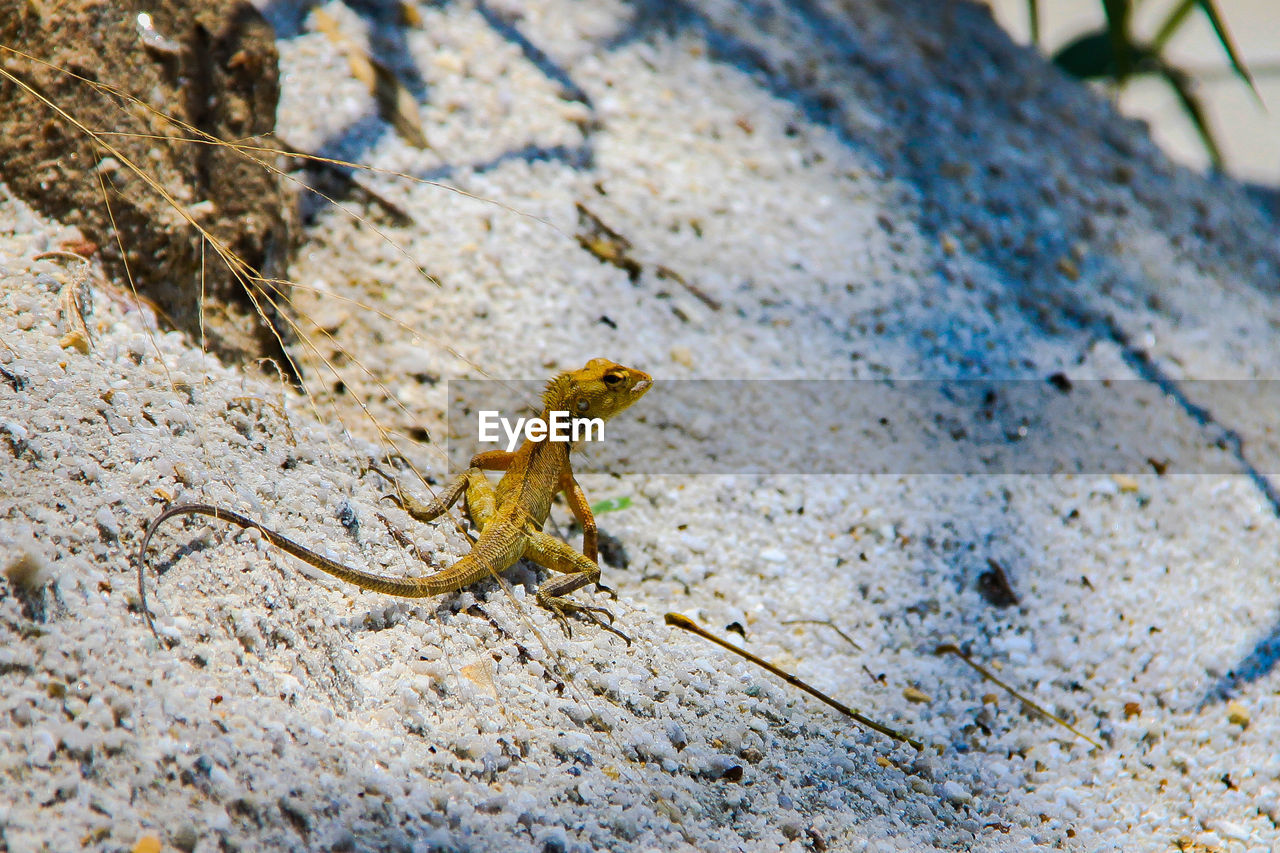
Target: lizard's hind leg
472, 481
578, 571
482, 498
481, 504
437, 506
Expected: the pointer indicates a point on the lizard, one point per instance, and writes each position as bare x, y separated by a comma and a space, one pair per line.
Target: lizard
509, 517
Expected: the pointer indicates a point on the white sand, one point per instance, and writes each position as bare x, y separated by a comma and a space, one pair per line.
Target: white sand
877, 193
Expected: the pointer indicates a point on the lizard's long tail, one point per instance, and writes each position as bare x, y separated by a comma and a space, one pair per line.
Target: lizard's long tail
465, 571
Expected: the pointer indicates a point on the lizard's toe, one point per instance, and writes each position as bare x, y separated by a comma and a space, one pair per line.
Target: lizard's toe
558, 611
590, 614
608, 626
564, 624
597, 616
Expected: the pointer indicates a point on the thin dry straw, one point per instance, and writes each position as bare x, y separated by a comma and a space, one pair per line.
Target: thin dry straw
948, 648
693, 627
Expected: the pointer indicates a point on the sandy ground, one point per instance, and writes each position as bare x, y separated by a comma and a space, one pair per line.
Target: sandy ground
857, 191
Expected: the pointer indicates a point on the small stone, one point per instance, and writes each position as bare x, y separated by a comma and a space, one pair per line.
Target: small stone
448, 61
107, 522
1124, 482
1233, 831
343, 842
185, 838
1068, 267
954, 792
1132, 709
75, 340
27, 571
43, 746
147, 844
1238, 714
676, 735
919, 697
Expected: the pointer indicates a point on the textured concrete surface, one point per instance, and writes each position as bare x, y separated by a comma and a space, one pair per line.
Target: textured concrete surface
846, 190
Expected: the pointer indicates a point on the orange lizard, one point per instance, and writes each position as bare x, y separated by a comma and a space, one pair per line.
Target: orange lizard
509, 518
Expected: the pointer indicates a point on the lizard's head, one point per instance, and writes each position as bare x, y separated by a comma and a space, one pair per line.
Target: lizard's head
600, 389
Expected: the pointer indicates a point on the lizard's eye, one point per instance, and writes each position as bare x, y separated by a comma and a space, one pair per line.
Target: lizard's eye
582, 405
612, 379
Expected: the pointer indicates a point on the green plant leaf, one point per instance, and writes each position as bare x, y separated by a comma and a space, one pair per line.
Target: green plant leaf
610, 505
1172, 24
1033, 21
1111, 52
1220, 27
1191, 105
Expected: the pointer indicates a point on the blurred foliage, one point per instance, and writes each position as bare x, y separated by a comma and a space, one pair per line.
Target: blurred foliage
1114, 52
610, 505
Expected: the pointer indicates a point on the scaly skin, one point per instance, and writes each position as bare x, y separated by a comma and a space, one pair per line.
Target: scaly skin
509, 518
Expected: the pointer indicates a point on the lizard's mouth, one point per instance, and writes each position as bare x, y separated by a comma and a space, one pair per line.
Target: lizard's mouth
641, 386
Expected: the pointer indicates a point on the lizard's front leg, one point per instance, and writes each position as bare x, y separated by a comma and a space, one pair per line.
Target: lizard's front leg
581, 511
578, 571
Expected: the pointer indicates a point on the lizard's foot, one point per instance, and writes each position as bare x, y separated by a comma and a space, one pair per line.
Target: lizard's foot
607, 590
372, 466
396, 497
562, 607
589, 614
562, 620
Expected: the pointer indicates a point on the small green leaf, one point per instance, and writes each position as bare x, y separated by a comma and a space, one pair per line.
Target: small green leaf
610, 505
